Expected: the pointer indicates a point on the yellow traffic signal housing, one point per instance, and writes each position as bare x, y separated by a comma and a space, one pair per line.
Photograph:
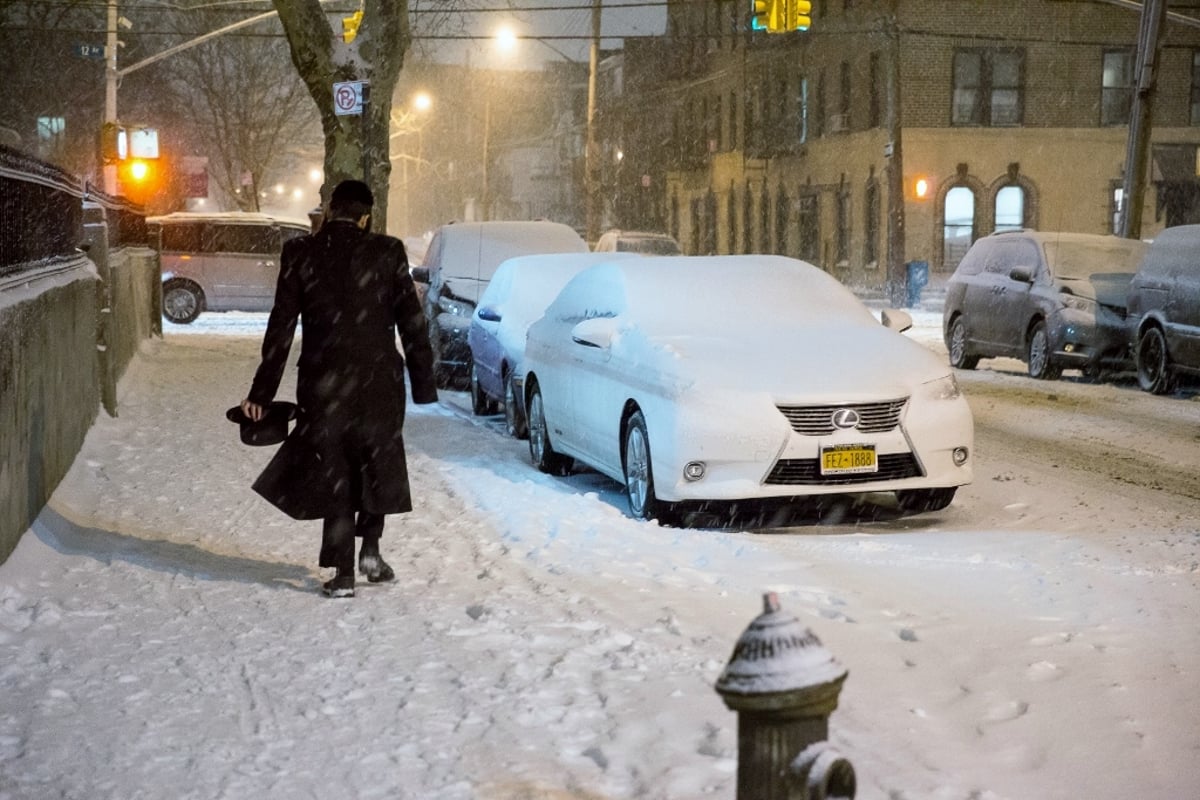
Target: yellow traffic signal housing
766, 15
350, 26
799, 15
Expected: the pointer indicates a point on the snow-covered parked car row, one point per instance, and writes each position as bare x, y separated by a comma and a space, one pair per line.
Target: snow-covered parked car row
702, 394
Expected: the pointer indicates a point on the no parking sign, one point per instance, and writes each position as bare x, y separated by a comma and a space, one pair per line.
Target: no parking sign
348, 97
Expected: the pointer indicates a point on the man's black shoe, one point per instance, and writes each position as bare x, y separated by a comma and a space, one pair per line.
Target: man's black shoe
376, 569
341, 586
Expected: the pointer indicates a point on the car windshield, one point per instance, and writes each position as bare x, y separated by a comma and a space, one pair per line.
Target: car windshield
1073, 259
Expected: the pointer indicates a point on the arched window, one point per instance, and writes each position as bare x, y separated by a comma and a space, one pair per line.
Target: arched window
958, 225
1010, 208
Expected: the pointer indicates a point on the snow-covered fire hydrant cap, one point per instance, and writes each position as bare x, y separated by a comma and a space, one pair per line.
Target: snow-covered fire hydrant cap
778, 664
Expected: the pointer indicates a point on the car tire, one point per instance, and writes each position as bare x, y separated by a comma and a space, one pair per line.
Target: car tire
540, 448
514, 423
957, 346
481, 404
1038, 356
1154, 362
182, 301
639, 473
918, 500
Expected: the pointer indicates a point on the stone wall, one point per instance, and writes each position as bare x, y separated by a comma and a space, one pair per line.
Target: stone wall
80, 290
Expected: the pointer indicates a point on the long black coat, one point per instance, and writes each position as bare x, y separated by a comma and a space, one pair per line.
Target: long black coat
351, 290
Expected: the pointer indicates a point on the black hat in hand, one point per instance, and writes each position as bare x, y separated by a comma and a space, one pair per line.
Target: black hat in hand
271, 429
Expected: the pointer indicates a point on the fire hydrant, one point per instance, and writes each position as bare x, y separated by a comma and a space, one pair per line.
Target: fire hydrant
784, 685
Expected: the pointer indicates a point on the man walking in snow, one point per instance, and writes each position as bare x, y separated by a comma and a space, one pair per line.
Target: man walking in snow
344, 462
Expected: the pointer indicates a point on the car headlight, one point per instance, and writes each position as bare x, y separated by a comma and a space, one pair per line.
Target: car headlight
1078, 303
943, 388
458, 308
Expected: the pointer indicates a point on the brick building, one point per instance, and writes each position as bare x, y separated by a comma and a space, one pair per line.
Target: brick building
1013, 114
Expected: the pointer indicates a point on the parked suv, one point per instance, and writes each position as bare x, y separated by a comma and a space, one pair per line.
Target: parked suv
1164, 309
460, 261
1054, 300
220, 262
646, 243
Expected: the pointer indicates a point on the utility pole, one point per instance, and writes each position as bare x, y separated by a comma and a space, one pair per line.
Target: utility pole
111, 76
591, 155
1141, 117
896, 280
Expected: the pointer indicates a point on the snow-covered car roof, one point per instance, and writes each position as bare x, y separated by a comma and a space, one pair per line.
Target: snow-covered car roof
476, 249
241, 217
669, 293
528, 284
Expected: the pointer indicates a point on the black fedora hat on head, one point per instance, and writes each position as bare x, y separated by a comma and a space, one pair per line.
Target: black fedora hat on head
271, 429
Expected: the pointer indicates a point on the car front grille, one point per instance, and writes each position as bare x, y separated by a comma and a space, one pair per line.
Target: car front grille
807, 472
818, 420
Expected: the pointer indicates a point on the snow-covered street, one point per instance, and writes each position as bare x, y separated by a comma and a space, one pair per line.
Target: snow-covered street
162, 633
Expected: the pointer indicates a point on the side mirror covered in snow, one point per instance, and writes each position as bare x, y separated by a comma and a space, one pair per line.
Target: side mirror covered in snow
895, 320
595, 332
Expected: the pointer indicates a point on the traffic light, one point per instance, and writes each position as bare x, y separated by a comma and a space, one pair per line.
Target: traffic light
350, 26
799, 15
764, 15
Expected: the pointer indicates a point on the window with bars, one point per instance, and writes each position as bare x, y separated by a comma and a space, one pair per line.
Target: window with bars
988, 88
1195, 118
1116, 93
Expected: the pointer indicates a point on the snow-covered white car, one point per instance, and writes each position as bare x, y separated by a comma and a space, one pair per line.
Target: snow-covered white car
702, 393
515, 297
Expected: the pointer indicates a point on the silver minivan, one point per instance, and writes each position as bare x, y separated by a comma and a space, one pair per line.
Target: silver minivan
220, 262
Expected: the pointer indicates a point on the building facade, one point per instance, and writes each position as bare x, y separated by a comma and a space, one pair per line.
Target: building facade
998, 115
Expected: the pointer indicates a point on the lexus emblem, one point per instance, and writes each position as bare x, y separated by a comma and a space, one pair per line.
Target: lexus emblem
845, 418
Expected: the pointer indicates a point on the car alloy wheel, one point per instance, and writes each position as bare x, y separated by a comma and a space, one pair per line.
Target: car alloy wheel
958, 346
513, 423
540, 448
1153, 362
181, 303
1039, 359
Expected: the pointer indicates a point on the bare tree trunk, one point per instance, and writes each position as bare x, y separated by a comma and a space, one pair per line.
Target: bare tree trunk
355, 146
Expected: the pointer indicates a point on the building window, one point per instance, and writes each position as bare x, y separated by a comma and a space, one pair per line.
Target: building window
782, 206
1010, 208
802, 112
874, 108
958, 225
808, 228
871, 228
747, 218
988, 88
764, 221
733, 121
710, 223
50, 128
1196, 87
731, 221
843, 228
1117, 87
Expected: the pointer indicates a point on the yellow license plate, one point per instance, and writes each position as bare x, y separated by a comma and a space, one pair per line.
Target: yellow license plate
848, 459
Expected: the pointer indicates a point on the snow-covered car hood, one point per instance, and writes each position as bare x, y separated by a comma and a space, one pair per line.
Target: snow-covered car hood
1108, 288
799, 364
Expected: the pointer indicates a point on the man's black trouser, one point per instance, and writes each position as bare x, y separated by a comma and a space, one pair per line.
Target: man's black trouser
337, 539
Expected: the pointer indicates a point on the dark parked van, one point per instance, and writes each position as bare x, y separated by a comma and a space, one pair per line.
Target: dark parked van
1164, 309
220, 262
